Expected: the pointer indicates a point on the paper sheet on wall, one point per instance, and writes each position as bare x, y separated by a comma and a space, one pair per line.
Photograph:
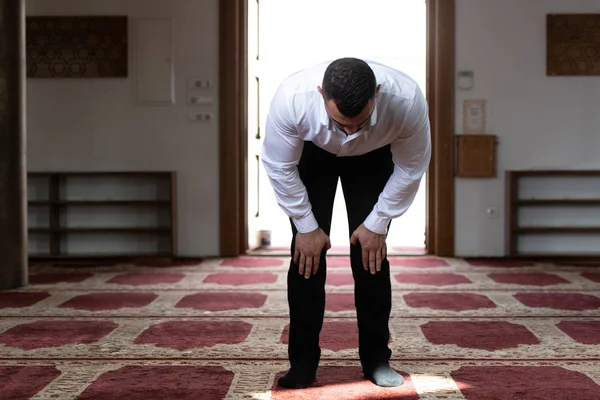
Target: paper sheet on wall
474, 116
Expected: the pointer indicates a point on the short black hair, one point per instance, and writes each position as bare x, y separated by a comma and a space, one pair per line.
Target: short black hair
350, 83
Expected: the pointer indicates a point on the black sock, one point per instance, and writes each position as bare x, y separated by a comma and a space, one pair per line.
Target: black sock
297, 378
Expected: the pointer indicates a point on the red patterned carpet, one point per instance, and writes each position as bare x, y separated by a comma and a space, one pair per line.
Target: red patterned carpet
461, 329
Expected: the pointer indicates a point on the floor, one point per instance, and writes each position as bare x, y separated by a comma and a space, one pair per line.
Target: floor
217, 329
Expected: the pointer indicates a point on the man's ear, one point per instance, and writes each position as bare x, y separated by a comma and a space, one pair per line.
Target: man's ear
320, 90
378, 87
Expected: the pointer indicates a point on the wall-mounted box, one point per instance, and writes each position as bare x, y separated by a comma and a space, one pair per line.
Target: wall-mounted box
476, 156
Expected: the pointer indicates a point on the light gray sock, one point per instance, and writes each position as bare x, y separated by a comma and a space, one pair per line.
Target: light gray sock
385, 376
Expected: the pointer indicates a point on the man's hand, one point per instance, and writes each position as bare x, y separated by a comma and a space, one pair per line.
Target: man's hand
373, 248
308, 251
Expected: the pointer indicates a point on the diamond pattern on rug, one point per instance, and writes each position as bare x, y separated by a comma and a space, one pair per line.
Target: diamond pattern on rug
486, 335
169, 263
42, 334
138, 279
408, 262
221, 301
240, 279
340, 279
339, 302
532, 279
335, 335
585, 332
524, 383
24, 382
21, 299
338, 262
497, 262
449, 301
183, 335
246, 262
432, 279
109, 301
345, 383
418, 262
160, 382
559, 301
592, 276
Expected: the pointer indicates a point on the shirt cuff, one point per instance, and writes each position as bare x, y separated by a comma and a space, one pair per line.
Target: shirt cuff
377, 224
306, 224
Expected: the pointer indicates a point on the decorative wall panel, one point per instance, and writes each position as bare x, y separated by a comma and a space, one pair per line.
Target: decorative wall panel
77, 46
573, 44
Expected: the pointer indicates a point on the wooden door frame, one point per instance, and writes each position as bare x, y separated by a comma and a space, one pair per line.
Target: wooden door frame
233, 70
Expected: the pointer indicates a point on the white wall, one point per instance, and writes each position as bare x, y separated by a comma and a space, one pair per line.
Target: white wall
542, 122
94, 124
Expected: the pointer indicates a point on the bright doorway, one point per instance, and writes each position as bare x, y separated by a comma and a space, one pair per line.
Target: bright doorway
288, 35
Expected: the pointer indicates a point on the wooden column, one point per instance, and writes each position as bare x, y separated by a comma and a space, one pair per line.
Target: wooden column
13, 193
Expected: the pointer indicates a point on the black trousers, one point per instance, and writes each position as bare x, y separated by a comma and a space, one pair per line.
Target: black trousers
363, 179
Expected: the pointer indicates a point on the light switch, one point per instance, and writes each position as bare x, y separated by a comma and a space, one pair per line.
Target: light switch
196, 116
198, 100
198, 83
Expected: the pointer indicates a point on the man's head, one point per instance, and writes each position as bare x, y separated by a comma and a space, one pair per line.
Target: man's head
349, 89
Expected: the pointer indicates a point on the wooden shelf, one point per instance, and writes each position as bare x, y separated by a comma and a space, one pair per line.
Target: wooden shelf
83, 256
39, 203
100, 230
553, 173
101, 214
135, 203
559, 257
40, 230
558, 202
553, 214
555, 229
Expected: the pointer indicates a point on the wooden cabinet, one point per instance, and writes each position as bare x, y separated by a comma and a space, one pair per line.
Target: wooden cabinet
476, 156
101, 214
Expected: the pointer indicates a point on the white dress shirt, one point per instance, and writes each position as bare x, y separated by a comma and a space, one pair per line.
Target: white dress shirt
297, 113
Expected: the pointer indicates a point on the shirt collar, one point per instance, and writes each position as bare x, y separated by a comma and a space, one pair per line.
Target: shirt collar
325, 120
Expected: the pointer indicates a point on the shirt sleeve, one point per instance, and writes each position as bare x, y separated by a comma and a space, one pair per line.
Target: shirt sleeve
281, 152
411, 153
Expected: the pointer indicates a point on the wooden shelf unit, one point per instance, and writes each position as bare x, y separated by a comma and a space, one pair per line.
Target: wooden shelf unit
90, 215
553, 214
